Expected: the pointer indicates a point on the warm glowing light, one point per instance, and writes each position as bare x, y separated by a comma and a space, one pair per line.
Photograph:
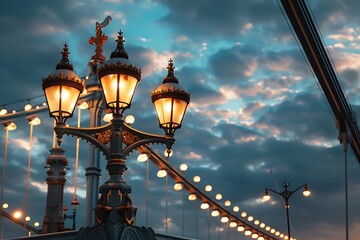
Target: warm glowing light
215, 213
183, 167
36, 224
306, 191
27, 219
168, 153
5, 206
266, 198
3, 111
12, 126
254, 236
218, 196
262, 225
240, 228
28, 107
178, 186
250, 218
208, 188
260, 238
273, 230
224, 219
247, 232
192, 197
197, 179
161, 173
233, 224
267, 228
36, 121
17, 214
130, 119
277, 233
108, 117
282, 235
256, 222
227, 203
243, 214
204, 206
286, 237
83, 105
236, 209
142, 157
84, 91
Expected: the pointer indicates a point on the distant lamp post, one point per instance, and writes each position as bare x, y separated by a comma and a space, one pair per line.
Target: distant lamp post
115, 215
74, 205
286, 194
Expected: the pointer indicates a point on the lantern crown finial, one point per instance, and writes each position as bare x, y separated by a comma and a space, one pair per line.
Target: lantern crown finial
64, 62
170, 78
119, 52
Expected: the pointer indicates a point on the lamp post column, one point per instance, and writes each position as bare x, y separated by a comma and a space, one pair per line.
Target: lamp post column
95, 109
92, 172
56, 164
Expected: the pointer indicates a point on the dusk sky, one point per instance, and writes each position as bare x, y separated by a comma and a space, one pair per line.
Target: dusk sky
257, 114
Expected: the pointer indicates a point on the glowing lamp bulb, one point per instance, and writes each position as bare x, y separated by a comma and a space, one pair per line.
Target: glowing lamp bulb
183, 167
215, 213
233, 224
218, 196
240, 228
178, 186
168, 153
204, 206
208, 188
236, 209
197, 179
192, 197
108, 117
130, 119
28, 107
161, 173
17, 214
142, 157
224, 219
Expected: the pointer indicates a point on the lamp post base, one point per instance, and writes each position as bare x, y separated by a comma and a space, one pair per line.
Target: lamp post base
125, 232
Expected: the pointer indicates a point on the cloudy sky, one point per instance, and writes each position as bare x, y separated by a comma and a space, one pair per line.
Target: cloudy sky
257, 115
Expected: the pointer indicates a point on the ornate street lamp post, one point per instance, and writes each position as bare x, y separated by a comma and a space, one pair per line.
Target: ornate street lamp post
286, 194
115, 215
74, 205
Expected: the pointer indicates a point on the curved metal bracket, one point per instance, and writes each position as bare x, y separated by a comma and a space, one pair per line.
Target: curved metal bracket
101, 136
88, 134
134, 138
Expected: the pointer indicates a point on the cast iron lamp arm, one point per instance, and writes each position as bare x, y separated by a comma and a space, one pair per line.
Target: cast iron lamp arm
88, 134
139, 138
132, 137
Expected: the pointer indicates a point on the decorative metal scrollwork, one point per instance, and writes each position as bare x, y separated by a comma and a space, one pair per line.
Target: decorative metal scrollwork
129, 138
104, 137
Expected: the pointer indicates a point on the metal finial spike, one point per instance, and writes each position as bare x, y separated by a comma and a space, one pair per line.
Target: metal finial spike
120, 50
120, 40
170, 78
64, 62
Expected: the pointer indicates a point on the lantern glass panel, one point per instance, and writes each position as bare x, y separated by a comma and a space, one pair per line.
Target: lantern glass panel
118, 89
